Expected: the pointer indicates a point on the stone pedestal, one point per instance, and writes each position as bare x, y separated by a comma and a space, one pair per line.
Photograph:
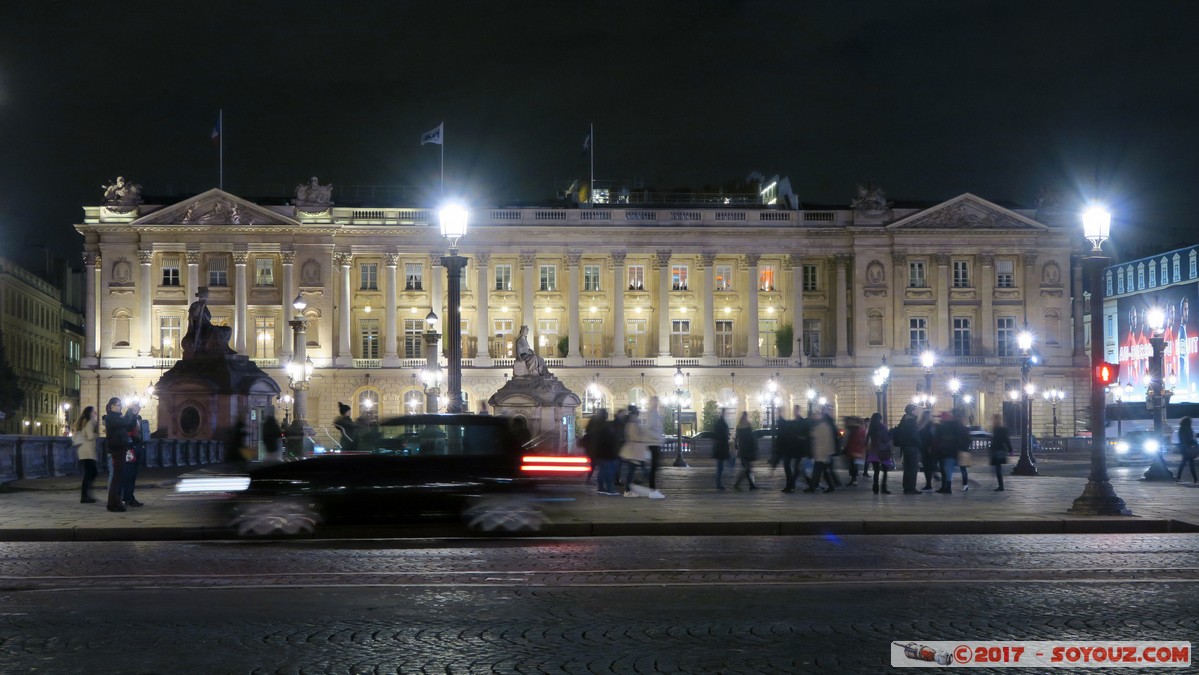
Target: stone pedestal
547, 405
205, 396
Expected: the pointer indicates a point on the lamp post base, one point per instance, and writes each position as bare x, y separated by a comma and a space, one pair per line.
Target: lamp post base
1099, 499
1158, 470
680, 462
1025, 467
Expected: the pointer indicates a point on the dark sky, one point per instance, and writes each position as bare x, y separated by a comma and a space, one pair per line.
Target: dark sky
927, 99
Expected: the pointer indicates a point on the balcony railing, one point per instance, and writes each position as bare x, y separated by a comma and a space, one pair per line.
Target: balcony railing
822, 361
368, 363
732, 363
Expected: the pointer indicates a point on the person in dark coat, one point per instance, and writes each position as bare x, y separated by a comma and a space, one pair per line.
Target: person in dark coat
348, 428
926, 432
607, 455
720, 447
747, 451
598, 420
116, 440
1187, 448
907, 439
790, 446
1001, 447
951, 438
133, 460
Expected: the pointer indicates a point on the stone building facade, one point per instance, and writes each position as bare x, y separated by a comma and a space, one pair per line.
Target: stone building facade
616, 297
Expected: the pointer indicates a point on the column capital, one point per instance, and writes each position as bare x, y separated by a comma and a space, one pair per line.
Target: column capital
91, 259
842, 259
343, 259
435, 260
987, 259
287, 257
573, 258
662, 257
193, 257
618, 258
751, 260
898, 258
942, 259
241, 257
1029, 258
528, 258
794, 261
707, 258
482, 259
145, 257
391, 259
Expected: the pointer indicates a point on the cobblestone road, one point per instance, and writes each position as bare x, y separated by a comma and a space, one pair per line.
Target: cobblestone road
711, 604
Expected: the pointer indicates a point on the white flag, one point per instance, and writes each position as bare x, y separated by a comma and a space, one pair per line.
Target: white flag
587, 142
433, 136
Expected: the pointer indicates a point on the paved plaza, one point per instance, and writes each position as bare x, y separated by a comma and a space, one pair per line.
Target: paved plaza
49, 510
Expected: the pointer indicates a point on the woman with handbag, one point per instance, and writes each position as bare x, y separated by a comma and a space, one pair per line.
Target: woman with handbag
1001, 447
879, 452
84, 440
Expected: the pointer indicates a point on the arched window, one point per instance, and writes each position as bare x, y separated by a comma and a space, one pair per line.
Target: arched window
414, 402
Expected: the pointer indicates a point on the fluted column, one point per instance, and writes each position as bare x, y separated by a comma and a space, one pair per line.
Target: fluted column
986, 314
1079, 334
482, 321
1030, 295
240, 258
753, 352
899, 272
437, 299
841, 293
662, 258
193, 275
287, 295
941, 344
795, 262
345, 357
574, 355
619, 282
146, 304
91, 281
391, 357
528, 282
707, 260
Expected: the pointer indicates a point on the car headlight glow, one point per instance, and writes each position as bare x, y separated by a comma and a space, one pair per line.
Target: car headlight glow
1152, 445
1122, 447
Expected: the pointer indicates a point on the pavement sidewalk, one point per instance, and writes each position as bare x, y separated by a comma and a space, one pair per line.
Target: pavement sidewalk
48, 509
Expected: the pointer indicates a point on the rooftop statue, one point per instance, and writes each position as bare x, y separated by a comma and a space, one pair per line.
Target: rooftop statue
313, 194
121, 193
870, 198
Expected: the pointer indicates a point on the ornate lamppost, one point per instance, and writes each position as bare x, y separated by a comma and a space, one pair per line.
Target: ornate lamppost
928, 359
299, 374
1158, 394
1054, 397
453, 227
680, 399
1027, 465
431, 374
286, 400
955, 388
881, 376
811, 396
1098, 497
925, 400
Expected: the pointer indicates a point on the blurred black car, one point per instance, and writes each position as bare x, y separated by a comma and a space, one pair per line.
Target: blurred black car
408, 468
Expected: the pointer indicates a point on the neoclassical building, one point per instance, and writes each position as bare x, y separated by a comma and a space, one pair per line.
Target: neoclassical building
614, 296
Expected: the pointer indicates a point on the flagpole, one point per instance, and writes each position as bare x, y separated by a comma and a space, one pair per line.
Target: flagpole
591, 191
220, 123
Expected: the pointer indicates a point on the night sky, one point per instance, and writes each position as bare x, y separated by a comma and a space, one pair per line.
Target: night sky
927, 99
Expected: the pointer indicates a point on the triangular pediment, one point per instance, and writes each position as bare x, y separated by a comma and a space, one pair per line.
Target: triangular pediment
967, 212
215, 207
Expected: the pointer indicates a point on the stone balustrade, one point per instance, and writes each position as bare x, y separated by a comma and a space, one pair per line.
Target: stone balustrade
46, 456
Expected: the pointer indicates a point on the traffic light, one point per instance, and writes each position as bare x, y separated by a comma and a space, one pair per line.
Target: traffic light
1107, 374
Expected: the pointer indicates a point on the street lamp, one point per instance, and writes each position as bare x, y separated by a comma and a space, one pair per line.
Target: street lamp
431, 374
66, 418
1158, 394
881, 376
925, 400
1026, 466
1098, 498
928, 359
680, 399
286, 400
1054, 397
299, 374
453, 227
811, 396
594, 397
955, 387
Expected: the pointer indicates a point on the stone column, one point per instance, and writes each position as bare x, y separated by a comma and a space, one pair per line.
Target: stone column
146, 304
240, 258
842, 261
620, 282
986, 297
528, 267
344, 357
391, 357
753, 352
709, 358
482, 329
795, 262
662, 258
1031, 295
287, 296
91, 281
1079, 334
193, 276
899, 286
940, 344
574, 356
437, 299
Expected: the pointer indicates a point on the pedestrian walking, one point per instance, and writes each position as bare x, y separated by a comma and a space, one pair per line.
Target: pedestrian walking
1001, 447
965, 457
652, 426
132, 463
348, 428
951, 438
599, 419
1187, 448
634, 452
116, 441
879, 452
926, 433
855, 448
747, 451
790, 440
720, 447
823, 434
84, 440
907, 438
606, 455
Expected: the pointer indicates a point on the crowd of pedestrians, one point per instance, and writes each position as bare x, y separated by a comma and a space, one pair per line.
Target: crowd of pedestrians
630, 440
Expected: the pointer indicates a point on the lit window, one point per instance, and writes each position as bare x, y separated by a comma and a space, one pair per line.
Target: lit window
503, 277
724, 278
368, 277
549, 277
916, 276
636, 277
678, 277
264, 272
414, 276
591, 277
170, 270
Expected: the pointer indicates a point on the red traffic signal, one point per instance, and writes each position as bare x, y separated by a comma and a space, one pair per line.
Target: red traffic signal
1107, 373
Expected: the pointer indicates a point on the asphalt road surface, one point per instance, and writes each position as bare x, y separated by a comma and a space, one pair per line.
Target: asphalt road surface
612, 605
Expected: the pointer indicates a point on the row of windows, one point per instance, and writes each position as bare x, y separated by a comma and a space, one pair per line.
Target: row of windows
29, 310
1005, 276
1159, 273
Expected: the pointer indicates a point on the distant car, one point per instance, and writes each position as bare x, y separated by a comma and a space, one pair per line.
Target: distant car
702, 443
408, 468
1139, 447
